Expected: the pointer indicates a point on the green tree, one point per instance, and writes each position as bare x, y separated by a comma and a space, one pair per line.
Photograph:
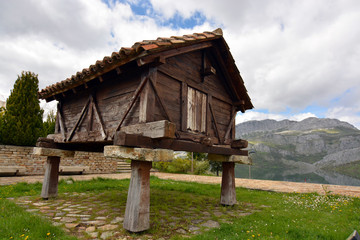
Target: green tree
2, 111
215, 167
22, 121
49, 124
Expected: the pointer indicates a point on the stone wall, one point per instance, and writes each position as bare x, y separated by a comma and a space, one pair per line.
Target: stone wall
34, 165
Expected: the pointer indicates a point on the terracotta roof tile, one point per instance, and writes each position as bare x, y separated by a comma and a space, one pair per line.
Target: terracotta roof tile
123, 56
149, 46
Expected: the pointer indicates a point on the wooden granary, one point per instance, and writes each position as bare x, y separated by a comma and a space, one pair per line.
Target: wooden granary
141, 103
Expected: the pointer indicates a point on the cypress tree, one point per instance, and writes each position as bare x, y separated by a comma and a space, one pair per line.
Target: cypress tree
22, 121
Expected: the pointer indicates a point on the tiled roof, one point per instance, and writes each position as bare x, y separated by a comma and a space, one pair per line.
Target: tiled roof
125, 55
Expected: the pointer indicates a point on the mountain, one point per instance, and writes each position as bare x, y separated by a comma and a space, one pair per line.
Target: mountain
315, 149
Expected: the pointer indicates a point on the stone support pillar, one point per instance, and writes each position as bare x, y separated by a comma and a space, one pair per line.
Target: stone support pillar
137, 213
228, 193
51, 178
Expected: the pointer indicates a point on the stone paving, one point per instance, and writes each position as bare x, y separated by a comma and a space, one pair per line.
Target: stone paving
100, 215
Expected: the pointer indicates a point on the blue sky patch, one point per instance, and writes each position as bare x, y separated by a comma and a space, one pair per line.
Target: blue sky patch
144, 8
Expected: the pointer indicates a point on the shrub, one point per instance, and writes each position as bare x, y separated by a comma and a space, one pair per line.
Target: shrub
201, 167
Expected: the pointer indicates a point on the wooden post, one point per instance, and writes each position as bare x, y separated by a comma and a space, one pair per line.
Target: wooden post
51, 178
228, 193
137, 213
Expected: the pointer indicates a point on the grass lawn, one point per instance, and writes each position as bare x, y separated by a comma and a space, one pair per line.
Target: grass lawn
178, 210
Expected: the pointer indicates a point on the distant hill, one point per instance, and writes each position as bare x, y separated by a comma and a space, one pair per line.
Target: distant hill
311, 149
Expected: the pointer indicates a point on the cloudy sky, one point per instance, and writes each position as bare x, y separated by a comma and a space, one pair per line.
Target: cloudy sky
298, 58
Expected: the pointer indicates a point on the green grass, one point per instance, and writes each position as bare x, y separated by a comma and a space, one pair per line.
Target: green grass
274, 215
16, 223
350, 169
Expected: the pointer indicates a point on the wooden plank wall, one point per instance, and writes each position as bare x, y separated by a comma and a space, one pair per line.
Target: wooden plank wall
179, 76
186, 69
111, 98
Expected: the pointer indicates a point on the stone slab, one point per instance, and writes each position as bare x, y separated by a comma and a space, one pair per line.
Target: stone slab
139, 154
52, 152
230, 158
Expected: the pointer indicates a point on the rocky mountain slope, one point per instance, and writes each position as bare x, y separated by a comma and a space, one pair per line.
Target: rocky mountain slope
290, 150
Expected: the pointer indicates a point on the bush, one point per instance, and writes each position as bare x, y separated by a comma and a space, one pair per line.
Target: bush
201, 167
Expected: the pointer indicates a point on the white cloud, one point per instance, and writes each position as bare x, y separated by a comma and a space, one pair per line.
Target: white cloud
347, 114
291, 54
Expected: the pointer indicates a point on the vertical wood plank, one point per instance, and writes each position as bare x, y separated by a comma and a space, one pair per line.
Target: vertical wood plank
208, 115
90, 117
233, 130
230, 126
132, 101
184, 106
198, 112
137, 212
80, 119
203, 113
190, 105
147, 98
51, 178
215, 122
228, 193
98, 117
61, 120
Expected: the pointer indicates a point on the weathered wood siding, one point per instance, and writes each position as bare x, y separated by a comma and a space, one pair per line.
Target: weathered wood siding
197, 103
111, 99
187, 69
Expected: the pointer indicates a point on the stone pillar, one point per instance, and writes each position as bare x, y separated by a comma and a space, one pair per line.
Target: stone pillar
137, 213
228, 193
51, 178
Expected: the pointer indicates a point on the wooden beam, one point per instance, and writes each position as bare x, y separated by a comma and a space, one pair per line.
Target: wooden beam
139, 154
132, 100
61, 120
147, 99
240, 143
167, 115
78, 122
161, 57
132, 140
90, 117
118, 71
98, 118
230, 126
214, 120
184, 102
158, 129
